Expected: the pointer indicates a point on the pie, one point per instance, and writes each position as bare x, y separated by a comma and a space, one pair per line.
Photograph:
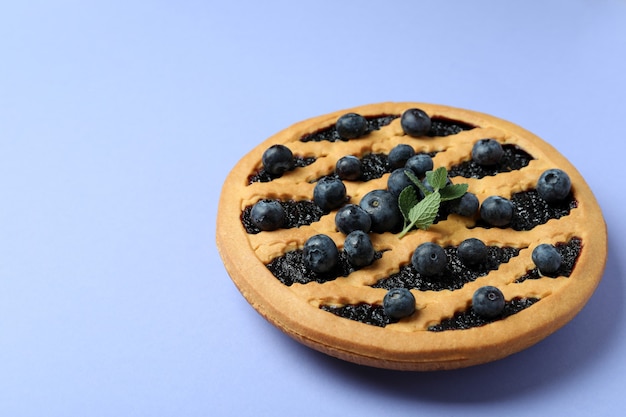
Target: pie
342, 313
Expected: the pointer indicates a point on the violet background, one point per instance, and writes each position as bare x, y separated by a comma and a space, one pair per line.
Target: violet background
118, 124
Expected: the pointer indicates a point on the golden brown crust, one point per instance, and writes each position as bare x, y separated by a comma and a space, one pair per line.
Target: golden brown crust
408, 345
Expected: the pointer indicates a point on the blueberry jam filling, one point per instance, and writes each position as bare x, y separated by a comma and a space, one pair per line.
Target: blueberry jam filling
514, 158
569, 255
375, 315
445, 127
439, 127
468, 319
363, 312
330, 133
290, 268
298, 213
530, 210
454, 277
263, 176
375, 165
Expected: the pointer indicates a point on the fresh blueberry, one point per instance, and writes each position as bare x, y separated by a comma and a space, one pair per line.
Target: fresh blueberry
382, 206
398, 303
399, 154
351, 125
398, 181
429, 259
277, 159
419, 164
349, 168
488, 302
554, 185
487, 152
472, 252
320, 253
268, 215
547, 258
465, 206
329, 193
415, 122
359, 249
497, 211
352, 217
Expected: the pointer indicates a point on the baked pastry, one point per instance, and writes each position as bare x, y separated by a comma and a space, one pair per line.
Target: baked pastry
524, 243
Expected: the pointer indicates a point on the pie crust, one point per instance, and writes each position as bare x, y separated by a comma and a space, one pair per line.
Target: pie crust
408, 344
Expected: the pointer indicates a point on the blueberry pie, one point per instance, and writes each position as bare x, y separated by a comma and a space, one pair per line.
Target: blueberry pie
411, 236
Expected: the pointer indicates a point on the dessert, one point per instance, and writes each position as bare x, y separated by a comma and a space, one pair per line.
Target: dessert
411, 236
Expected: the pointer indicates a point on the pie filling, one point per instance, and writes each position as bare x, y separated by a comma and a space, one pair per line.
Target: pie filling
440, 127
290, 268
514, 158
455, 276
375, 315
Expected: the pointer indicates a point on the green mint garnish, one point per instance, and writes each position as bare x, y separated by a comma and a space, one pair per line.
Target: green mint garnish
422, 214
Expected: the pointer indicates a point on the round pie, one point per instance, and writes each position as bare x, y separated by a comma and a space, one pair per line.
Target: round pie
341, 309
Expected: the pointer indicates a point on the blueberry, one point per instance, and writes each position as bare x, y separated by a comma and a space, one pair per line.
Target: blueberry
268, 215
320, 253
415, 122
352, 217
465, 206
429, 259
487, 152
399, 154
349, 168
398, 303
383, 209
419, 164
488, 302
398, 181
554, 185
329, 193
359, 249
472, 252
497, 211
351, 125
547, 258
277, 159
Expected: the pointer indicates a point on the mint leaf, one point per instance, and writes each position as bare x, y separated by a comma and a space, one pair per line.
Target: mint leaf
423, 213
406, 201
417, 182
452, 192
437, 178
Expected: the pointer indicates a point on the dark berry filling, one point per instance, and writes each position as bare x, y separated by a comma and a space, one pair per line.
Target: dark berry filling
375, 315
455, 275
365, 313
445, 127
330, 133
375, 165
468, 319
569, 255
514, 158
297, 213
290, 268
439, 127
530, 210
263, 176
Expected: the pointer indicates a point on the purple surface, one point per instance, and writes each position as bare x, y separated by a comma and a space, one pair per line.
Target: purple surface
119, 122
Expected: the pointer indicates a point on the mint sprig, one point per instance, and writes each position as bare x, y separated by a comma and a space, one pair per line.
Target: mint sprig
422, 213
